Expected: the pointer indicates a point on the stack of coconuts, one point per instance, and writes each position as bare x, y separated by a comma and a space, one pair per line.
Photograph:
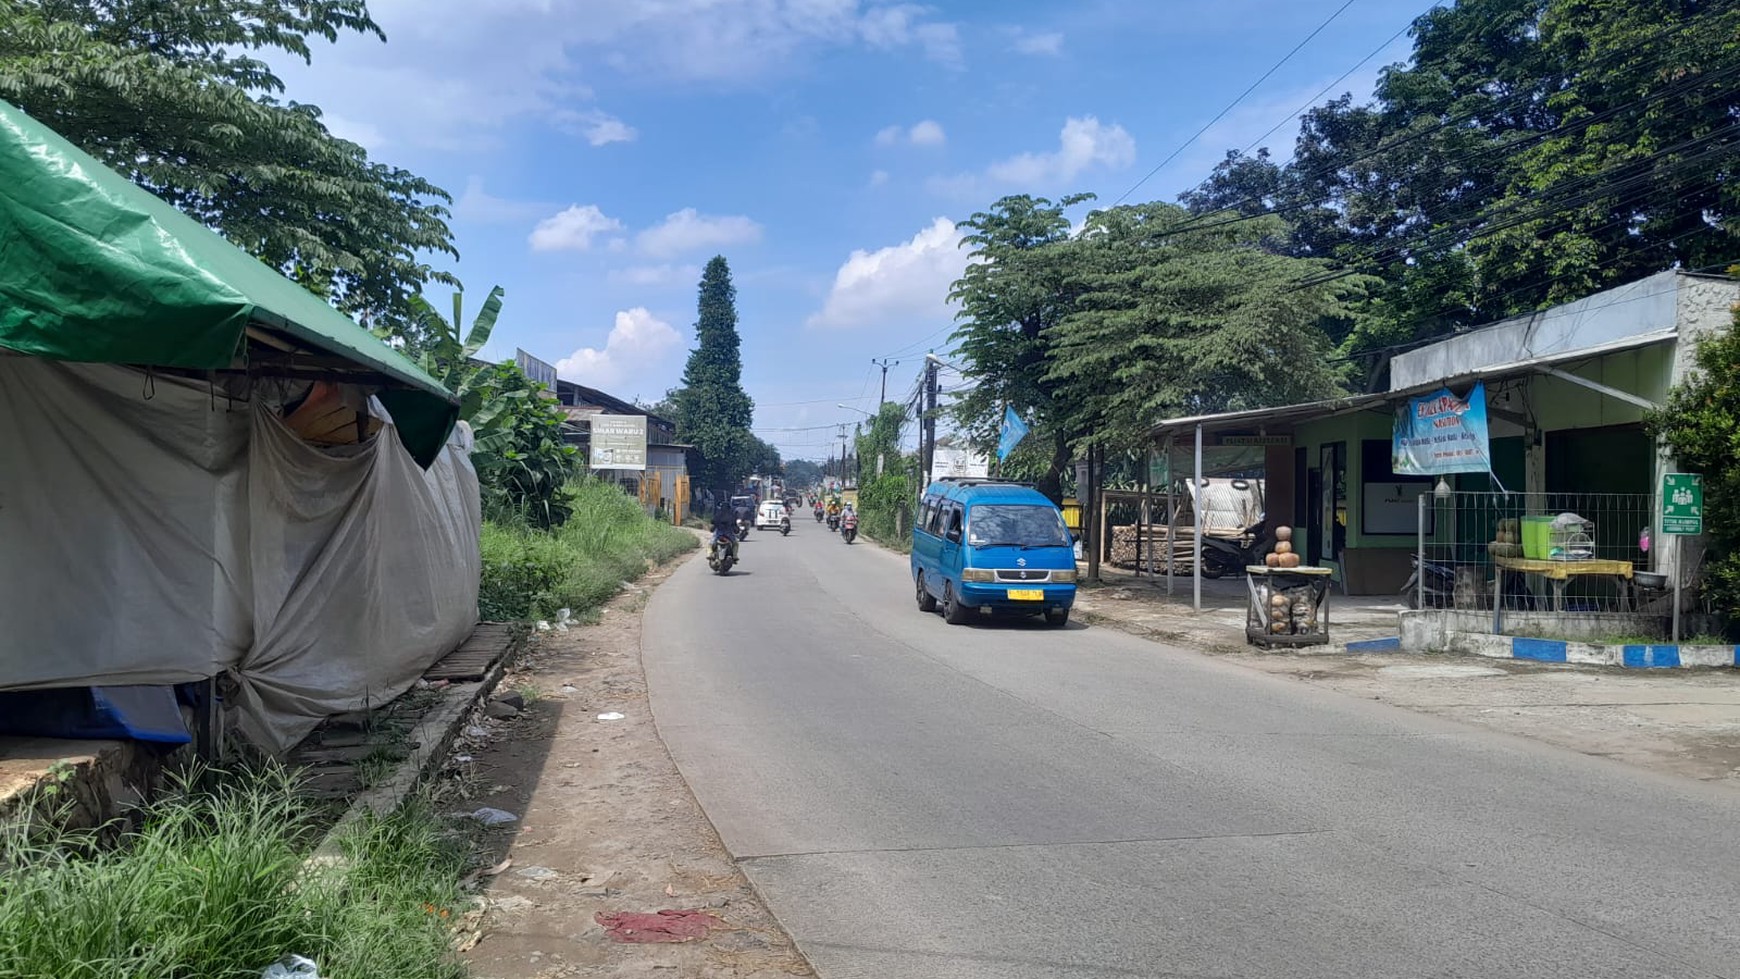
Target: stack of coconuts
1283, 555
1507, 539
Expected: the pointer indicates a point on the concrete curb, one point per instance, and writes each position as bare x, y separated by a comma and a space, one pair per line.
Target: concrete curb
1636, 657
431, 738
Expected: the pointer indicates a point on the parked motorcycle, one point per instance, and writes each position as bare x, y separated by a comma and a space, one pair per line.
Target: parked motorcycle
1231, 555
1440, 584
720, 555
849, 527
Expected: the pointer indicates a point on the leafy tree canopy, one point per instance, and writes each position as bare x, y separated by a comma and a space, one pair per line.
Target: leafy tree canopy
173, 94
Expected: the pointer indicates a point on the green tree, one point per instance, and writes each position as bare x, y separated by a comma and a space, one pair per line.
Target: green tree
173, 94
803, 472
1530, 152
1167, 322
1011, 295
887, 484
1700, 425
711, 410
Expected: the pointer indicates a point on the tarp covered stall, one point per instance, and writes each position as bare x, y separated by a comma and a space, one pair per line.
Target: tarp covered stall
96, 269
157, 530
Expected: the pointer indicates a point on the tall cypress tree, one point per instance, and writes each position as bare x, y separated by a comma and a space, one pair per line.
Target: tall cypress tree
712, 411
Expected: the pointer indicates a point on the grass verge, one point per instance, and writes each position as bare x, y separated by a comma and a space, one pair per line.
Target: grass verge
530, 573
213, 884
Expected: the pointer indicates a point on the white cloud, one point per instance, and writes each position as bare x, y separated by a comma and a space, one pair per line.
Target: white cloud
1083, 143
572, 229
1048, 43
656, 275
901, 281
878, 177
443, 82
928, 132
688, 230
600, 128
925, 132
637, 342
481, 207
364, 134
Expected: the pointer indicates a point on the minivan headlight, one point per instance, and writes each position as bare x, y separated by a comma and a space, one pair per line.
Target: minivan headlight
1063, 577
978, 574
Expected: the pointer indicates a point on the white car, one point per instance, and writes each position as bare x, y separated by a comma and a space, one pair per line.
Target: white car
770, 515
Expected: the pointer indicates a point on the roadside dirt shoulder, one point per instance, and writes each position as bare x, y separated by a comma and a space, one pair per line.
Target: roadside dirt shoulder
605, 825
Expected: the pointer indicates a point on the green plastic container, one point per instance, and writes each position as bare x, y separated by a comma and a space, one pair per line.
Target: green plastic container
1537, 537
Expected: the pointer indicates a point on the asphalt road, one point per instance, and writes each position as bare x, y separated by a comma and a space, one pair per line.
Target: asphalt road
926, 801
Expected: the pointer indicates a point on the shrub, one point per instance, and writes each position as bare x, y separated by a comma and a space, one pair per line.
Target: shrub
529, 573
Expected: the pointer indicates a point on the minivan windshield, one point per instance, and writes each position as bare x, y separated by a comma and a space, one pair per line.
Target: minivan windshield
1016, 525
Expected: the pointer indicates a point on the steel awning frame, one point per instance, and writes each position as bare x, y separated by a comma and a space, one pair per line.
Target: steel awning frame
1289, 415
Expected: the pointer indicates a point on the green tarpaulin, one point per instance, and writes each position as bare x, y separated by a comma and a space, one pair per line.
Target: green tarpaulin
94, 268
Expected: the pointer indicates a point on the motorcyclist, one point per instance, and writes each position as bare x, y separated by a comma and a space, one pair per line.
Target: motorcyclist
725, 526
745, 513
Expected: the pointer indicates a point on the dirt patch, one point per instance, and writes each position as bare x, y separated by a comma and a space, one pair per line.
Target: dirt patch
1681, 722
605, 825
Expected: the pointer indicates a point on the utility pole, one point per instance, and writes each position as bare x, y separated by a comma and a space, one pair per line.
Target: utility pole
928, 440
842, 454
884, 363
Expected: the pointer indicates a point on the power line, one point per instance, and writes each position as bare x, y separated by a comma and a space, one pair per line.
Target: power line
1380, 49
1233, 104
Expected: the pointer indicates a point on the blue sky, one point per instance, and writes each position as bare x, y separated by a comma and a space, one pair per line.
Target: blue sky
600, 151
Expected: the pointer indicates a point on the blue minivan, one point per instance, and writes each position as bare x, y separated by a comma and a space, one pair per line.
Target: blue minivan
986, 546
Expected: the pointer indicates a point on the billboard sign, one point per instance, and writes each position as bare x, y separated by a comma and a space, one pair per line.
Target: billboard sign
539, 371
1441, 433
619, 442
958, 463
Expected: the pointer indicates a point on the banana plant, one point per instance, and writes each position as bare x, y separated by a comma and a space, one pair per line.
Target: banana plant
448, 357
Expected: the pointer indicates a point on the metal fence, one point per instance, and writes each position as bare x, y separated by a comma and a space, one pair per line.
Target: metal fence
1569, 555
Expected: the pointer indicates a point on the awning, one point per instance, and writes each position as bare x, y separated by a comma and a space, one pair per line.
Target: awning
94, 268
1286, 416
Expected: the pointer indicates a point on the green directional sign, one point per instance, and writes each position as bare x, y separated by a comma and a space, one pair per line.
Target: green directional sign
1682, 503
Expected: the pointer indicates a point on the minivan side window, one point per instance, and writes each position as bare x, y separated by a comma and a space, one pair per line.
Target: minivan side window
954, 524
935, 522
927, 516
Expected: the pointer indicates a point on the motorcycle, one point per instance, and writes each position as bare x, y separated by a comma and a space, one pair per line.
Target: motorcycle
785, 526
1440, 584
743, 524
849, 527
819, 514
720, 556
833, 521
1231, 555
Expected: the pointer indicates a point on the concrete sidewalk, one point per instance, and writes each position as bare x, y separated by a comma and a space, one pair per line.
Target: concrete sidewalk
1140, 605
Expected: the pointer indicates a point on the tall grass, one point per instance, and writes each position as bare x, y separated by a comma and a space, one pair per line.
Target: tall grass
213, 886
608, 539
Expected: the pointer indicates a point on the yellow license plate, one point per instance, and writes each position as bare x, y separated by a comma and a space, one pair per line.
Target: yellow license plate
1026, 595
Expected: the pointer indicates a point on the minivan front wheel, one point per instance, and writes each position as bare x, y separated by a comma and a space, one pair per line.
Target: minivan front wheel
954, 613
1057, 618
926, 601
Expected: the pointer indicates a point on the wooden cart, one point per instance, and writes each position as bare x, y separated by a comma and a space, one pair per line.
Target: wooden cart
1304, 618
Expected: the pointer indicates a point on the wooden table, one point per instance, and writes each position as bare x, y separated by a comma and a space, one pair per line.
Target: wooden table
1559, 574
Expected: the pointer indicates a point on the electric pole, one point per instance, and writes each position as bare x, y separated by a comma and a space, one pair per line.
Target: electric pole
928, 440
884, 363
843, 469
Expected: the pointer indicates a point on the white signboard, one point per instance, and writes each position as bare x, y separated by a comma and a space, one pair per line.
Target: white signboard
619, 442
958, 463
539, 371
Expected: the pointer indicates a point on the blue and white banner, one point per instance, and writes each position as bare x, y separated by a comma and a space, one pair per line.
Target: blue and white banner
1441, 433
1013, 431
